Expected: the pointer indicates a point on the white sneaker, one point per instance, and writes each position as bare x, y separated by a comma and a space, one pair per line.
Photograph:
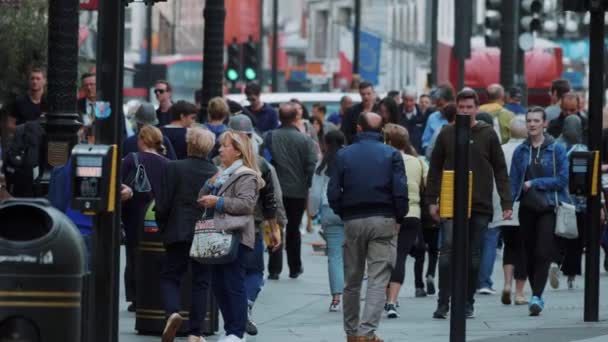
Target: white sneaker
487, 291
554, 276
231, 338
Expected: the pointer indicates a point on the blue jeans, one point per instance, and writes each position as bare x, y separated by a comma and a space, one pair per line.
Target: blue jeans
335, 265
488, 257
228, 282
254, 270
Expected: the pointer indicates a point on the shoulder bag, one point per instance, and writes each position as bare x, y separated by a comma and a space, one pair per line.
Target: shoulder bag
565, 215
213, 245
138, 178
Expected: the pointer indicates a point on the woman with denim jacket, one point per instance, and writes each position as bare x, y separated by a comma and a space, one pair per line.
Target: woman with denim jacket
539, 177
333, 227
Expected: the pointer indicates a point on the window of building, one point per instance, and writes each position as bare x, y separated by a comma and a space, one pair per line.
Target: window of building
128, 27
320, 26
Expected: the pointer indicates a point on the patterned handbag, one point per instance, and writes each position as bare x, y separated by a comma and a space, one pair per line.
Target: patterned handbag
213, 245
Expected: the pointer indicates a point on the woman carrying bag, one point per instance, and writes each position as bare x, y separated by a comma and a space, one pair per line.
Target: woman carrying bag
539, 181
229, 199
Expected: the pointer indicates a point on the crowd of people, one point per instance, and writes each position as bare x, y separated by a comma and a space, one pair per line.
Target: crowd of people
371, 174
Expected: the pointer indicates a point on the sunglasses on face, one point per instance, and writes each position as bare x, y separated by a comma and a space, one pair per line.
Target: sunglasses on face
159, 91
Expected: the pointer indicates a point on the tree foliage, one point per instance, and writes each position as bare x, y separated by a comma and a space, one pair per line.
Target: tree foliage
23, 44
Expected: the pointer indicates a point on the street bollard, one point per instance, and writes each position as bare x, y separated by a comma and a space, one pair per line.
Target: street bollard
41, 270
150, 315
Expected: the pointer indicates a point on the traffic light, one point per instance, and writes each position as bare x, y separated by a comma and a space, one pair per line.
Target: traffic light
250, 60
493, 22
530, 13
233, 69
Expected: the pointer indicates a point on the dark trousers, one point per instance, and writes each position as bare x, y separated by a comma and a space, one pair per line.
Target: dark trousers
228, 282
294, 209
572, 249
478, 223
129, 275
536, 233
254, 269
410, 242
512, 254
431, 239
177, 259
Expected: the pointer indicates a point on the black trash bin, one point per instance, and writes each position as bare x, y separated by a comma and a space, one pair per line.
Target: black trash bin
41, 269
150, 315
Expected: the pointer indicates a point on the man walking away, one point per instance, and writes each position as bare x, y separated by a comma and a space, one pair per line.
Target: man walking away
496, 94
294, 157
371, 198
488, 165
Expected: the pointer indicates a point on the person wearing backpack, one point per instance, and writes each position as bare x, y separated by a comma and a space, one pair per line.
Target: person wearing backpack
22, 159
142, 172
496, 95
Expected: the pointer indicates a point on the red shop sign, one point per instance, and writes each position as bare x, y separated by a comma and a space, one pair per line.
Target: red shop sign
88, 5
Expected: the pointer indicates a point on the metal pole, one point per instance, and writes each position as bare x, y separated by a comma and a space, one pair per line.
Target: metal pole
106, 230
148, 49
509, 46
356, 37
62, 121
460, 252
275, 45
520, 76
596, 96
261, 45
213, 50
462, 36
434, 14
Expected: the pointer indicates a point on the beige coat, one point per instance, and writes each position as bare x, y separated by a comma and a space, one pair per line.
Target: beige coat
240, 193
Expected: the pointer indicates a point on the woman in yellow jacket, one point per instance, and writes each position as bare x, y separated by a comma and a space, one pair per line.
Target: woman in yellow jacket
410, 240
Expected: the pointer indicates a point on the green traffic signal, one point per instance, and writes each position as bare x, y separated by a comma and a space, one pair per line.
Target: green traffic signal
232, 75
250, 74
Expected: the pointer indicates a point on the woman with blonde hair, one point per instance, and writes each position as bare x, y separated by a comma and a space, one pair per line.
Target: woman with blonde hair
151, 157
176, 215
410, 239
232, 195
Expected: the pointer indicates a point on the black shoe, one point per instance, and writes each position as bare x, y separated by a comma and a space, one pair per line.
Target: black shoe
420, 293
251, 328
295, 275
442, 311
469, 311
430, 286
273, 276
131, 307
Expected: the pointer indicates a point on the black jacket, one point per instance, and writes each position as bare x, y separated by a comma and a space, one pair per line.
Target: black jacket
176, 208
414, 125
267, 201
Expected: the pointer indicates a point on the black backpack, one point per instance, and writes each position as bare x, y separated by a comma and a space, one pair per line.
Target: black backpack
21, 157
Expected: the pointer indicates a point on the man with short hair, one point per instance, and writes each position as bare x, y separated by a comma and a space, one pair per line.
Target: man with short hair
163, 92
368, 104
569, 106
443, 95
345, 103
514, 102
494, 107
558, 89
266, 117
145, 115
30, 106
412, 118
86, 105
183, 116
319, 110
487, 163
372, 200
425, 104
293, 155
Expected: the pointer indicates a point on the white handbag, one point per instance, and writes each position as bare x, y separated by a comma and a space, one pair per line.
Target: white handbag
565, 215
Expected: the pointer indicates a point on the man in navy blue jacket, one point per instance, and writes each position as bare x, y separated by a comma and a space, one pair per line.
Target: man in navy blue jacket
368, 190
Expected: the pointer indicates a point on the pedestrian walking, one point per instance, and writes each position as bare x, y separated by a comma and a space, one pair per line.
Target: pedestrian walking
183, 116
443, 96
150, 157
558, 89
368, 190
411, 116
495, 107
164, 93
569, 106
294, 157
368, 104
231, 195
332, 225
266, 117
410, 240
513, 267
176, 215
539, 177
487, 163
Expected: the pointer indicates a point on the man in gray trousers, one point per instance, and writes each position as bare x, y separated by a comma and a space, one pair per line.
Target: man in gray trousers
368, 190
